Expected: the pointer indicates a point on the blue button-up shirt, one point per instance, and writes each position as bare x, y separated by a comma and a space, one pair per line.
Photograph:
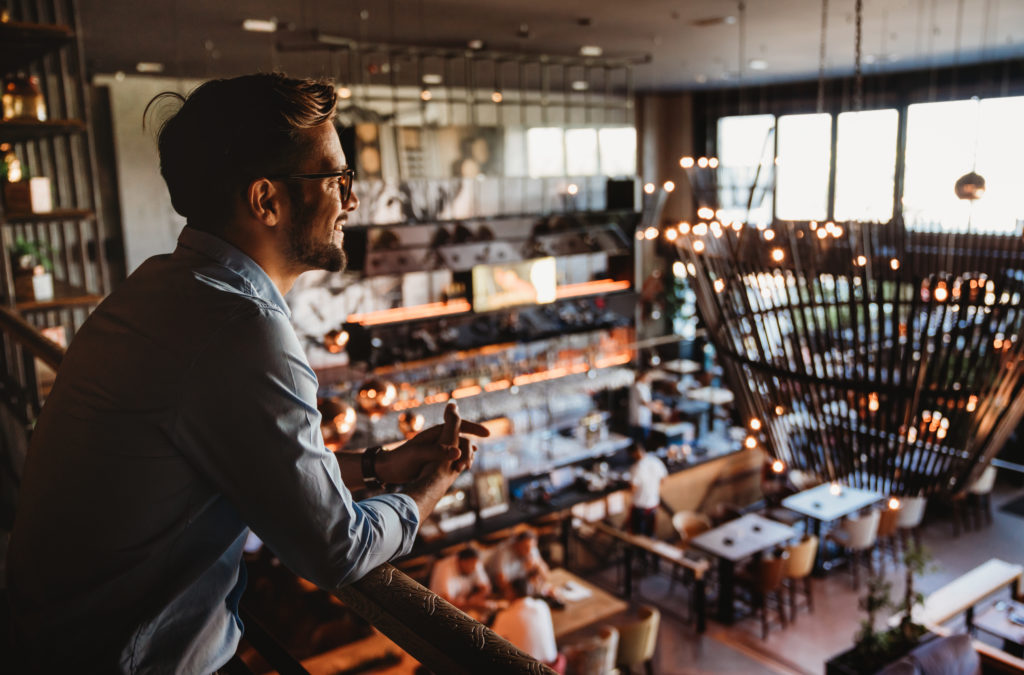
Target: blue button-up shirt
183, 414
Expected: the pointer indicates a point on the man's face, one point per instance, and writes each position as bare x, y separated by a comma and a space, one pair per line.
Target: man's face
524, 547
315, 231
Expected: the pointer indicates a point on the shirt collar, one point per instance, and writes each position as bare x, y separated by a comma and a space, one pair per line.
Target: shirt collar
230, 257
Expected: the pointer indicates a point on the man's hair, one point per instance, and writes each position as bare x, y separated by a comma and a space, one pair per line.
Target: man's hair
469, 553
226, 133
526, 534
521, 587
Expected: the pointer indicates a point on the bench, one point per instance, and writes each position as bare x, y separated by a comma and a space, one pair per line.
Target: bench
665, 551
964, 592
960, 596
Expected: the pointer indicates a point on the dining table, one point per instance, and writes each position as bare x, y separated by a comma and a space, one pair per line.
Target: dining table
748, 536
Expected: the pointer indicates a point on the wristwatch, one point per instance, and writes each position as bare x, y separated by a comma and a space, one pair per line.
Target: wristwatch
369, 466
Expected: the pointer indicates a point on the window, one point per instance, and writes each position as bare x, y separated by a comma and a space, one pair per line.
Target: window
949, 139
581, 152
804, 155
618, 151
866, 165
545, 152
746, 145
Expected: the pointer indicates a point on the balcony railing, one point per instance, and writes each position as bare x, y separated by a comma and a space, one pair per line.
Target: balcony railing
434, 632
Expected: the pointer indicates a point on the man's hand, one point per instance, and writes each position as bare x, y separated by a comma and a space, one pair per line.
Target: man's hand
443, 453
440, 443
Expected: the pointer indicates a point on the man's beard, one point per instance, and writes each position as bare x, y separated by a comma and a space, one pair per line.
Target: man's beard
306, 249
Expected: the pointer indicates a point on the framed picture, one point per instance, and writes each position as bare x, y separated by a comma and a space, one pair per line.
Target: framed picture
491, 490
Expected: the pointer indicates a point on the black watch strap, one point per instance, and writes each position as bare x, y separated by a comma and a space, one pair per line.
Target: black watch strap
369, 466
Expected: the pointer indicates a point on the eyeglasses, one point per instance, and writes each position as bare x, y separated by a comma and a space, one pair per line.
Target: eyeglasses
345, 178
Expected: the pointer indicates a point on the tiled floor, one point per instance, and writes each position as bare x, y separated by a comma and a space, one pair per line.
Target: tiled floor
804, 646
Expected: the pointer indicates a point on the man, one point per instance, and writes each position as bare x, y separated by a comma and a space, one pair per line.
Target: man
519, 558
184, 412
645, 479
527, 624
460, 579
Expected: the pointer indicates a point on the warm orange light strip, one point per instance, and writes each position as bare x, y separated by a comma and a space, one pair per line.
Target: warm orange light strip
463, 392
497, 385
462, 306
613, 361
433, 309
590, 288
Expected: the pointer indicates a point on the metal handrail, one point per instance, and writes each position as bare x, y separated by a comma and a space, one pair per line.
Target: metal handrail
433, 631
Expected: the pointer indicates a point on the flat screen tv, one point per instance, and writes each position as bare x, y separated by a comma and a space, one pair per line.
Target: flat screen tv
530, 282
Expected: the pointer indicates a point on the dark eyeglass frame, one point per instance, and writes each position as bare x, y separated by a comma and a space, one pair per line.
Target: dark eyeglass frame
349, 176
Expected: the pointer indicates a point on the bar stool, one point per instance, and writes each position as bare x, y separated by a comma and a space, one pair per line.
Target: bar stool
888, 524
798, 568
981, 492
765, 582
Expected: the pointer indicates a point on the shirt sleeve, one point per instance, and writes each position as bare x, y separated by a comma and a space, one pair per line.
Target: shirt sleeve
248, 421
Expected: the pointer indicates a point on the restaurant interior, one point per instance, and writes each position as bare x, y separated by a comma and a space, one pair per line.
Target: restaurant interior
775, 244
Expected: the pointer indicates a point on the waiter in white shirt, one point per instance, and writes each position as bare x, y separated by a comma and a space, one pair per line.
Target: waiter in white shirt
646, 475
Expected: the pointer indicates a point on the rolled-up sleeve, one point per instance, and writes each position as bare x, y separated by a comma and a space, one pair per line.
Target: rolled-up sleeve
248, 422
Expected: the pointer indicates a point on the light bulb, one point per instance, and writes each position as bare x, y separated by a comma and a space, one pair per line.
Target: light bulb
777, 254
686, 162
649, 188
496, 96
894, 264
769, 235
668, 186
702, 162
778, 466
425, 95
751, 442
698, 246
755, 423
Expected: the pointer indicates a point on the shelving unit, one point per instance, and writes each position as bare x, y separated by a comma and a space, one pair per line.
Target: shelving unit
41, 41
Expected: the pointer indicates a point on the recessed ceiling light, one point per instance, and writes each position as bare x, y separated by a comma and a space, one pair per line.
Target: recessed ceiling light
260, 25
149, 67
432, 78
475, 44
591, 50
758, 64
580, 85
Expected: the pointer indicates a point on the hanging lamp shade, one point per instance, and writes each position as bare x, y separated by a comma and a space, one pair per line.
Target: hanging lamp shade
970, 186
875, 356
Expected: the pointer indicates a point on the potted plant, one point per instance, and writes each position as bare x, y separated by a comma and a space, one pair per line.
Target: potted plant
32, 269
874, 649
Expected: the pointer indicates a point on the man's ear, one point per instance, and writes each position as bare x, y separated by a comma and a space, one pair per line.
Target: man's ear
264, 201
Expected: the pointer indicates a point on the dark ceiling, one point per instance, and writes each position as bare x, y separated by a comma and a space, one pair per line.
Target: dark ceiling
685, 45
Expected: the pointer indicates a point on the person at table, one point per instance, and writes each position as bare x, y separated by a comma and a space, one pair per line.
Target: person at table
527, 624
645, 478
643, 407
519, 558
461, 580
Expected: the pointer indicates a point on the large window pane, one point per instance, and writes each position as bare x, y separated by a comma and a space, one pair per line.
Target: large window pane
805, 150
581, 152
545, 152
866, 165
746, 145
1000, 153
949, 139
618, 151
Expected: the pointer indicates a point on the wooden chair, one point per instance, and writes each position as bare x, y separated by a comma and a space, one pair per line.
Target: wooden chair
594, 656
973, 508
765, 579
637, 641
857, 537
797, 572
885, 538
688, 524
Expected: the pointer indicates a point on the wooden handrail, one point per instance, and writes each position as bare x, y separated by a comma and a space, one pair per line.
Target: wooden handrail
25, 334
433, 631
